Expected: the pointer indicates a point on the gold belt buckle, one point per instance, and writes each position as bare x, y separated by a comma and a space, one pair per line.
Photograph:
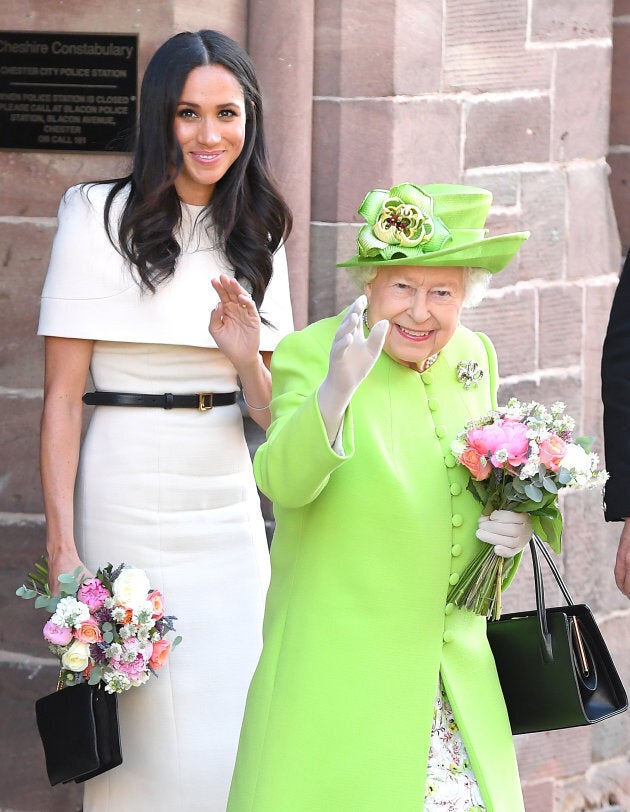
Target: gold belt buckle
205, 401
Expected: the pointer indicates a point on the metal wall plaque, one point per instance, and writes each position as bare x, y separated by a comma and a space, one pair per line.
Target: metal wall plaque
73, 92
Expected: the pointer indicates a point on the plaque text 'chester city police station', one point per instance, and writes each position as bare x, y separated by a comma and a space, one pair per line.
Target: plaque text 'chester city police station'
75, 92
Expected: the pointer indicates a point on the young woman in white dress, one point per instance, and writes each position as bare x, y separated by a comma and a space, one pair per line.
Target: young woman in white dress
170, 284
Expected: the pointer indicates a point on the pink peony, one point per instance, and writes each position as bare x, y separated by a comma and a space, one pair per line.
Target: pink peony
134, 670
58, 635
88, 632
160, 654
552, 451
509, 436
93, 593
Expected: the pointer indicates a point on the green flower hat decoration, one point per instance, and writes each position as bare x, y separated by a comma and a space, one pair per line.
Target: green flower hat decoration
438, 224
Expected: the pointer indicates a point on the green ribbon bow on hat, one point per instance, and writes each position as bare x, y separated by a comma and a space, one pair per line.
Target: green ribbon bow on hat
400, 224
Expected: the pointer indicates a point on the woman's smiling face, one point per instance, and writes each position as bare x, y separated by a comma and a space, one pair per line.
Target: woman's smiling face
422, 306
210, 128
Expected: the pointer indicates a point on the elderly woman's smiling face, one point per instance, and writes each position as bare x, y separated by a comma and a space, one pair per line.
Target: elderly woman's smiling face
422, 306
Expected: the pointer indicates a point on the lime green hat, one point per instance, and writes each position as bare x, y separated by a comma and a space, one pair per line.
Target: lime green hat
439, 224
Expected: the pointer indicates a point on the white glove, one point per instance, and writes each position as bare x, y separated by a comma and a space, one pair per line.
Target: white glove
507, 530
352, 356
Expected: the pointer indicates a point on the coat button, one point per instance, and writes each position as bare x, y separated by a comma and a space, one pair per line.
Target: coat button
456, 550
427, 378
457, 520
456, 488
434, 404
450, 461
441, 431
449, 608
453, 578
448, 636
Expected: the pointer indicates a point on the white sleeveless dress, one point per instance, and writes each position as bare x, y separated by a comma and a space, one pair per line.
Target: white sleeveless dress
171, 492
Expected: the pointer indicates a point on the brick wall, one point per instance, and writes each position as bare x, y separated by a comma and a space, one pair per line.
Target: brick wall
513, 95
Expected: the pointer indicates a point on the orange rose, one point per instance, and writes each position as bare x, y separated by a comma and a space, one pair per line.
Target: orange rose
160, 653
156, 599
88, 632
476, 463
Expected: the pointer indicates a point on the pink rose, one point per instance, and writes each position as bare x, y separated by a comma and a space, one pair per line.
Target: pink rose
476, 463
160, 654
88, 632
552, 451
58, 635
93, 593
155, 597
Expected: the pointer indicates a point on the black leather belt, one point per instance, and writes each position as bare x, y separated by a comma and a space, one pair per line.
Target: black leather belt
204, 401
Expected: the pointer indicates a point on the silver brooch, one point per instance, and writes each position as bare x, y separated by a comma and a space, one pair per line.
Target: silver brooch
469, 373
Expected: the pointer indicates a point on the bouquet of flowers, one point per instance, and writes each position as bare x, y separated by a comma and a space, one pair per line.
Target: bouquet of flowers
110, 629
519, 457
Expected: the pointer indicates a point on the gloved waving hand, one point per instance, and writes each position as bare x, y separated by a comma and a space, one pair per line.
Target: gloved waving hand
507, 530
352, 356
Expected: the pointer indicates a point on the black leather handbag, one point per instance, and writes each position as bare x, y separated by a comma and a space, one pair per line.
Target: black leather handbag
78, 727
553, 664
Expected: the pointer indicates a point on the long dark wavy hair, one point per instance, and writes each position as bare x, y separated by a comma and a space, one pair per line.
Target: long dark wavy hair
247, 211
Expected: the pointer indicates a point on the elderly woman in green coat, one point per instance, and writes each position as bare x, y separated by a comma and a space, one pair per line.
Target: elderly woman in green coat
374, 693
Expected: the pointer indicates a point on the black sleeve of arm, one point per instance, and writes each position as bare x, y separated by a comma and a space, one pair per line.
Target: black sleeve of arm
616, 398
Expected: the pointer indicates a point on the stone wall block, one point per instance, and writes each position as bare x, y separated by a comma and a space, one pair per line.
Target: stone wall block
581, 103
20, 489
33, 182
620, 92
594, 246
560, 307
510, 324
322, 275
555, 21
543, 213
21, 545
417, 67
26, 252
424, 128
507, 131
588, 547
485, 48
327, 48
553, 754
327, 117
539, 796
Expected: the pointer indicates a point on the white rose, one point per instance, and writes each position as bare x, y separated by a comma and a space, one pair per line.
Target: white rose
131, 588
77, 656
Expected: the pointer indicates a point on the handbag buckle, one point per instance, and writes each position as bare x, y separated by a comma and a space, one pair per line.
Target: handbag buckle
205, 401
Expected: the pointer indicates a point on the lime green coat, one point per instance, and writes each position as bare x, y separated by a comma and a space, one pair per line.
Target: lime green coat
357, 627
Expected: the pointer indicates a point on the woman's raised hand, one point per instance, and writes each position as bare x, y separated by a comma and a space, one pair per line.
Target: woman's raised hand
352, 356
235, 323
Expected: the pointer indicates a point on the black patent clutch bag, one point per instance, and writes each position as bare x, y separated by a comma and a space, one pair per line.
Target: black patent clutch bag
78, 727
553, 664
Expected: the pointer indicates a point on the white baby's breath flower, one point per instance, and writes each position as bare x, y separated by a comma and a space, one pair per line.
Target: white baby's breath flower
70, 612
501, 456
116, 682
114, 651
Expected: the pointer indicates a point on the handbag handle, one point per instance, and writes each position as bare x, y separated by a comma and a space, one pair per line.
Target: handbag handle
546, 647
